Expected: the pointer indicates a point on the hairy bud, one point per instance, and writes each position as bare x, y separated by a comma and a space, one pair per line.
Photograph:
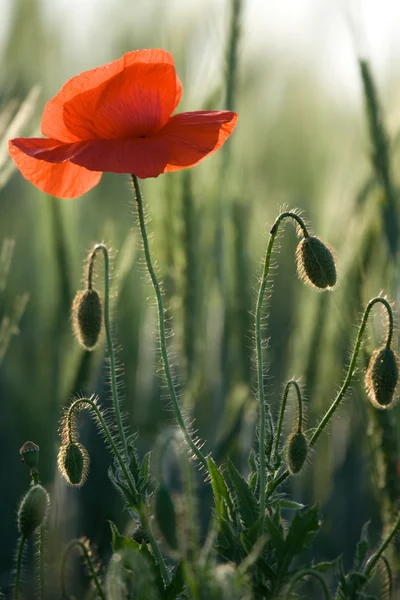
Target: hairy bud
315, 263
297, 451
87, 317
33, 510
73, 462
382, 377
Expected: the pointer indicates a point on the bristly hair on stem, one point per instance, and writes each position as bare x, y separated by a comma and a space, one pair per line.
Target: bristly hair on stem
193, 445
91, 563
349, 375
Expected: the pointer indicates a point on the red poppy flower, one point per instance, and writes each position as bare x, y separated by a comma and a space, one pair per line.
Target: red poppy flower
117, 118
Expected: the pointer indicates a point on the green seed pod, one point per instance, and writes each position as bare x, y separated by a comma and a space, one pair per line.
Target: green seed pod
30, 454
87, 317
33, 510
73, 463
316, 263
297, 451
382, 377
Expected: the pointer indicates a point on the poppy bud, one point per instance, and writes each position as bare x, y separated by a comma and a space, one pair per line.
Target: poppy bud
87, 317
33, 510
297, 452
382, 377
315, 263
30, 454
73, 462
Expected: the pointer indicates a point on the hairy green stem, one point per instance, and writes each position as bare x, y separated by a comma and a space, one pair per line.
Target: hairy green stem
374, 559
295, 384
163, 339
18, 573
264, 410
92, 571
42, 561
107, 324
157, 552
350, 372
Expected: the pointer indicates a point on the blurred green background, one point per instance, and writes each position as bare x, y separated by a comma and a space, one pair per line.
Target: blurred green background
302, 140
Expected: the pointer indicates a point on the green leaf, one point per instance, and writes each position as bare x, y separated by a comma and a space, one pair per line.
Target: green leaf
362, 548
245, 500
302, 530
121, 542
175, 588
220, 489
166, 517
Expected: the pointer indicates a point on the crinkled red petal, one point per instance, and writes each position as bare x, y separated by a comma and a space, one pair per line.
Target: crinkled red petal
118, 90
193, 136
63, 180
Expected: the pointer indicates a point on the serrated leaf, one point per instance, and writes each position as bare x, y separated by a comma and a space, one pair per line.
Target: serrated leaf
145, 467
175, 587
303, 528
144, 551
246, 502
122, 488
166, 517
220, 489
275, 532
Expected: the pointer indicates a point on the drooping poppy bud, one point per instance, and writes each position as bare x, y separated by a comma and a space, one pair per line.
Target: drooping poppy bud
382, 376
33, 510
73, 462
30, 454
316, 263
297, 451
87, 317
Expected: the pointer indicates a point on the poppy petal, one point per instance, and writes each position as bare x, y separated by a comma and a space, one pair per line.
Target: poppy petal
53, 125
65, 180
194, 135
136, 102
145, 157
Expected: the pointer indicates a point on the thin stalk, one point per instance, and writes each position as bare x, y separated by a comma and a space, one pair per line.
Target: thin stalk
264, 410
350, 372
107, 325
163, 339
147, 526
18, 573
293, 383
374, 559
92, 571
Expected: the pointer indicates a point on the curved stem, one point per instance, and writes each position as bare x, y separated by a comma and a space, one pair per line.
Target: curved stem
163, 340
106, 431
130, 482
265, 413
353, 362
147, 526
92, 571
107, 324
374, 559
350, 372
295, 384
18, 573
309, 572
